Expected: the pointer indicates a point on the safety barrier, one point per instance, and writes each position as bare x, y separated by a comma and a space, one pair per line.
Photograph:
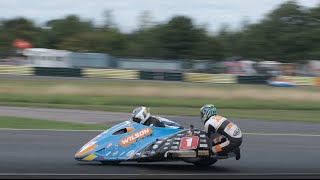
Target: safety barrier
62, 72
110, 73
299, 80
252, 79
16, 70
166, 76
151, 75
209, 78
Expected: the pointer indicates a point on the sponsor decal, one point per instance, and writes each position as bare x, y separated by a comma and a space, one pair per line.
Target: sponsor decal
167, 144
176, 143
122, 153
204, 145
189, 143
177, 139
174, 147
165, 148
159, 142
138, 154
203, 140
203, 135
109, 145
135, 136
197, 132
153, 152
236, 132
130, 153
108, 154
115, 153
190, 133
180, 135
169, 140
203, 153
155, 147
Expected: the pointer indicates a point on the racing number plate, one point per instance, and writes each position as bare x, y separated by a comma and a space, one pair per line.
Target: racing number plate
189, 143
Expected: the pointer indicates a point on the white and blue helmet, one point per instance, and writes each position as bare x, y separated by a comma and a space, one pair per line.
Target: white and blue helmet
207, 111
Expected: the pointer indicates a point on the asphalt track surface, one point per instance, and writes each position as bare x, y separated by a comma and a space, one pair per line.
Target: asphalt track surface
289, 150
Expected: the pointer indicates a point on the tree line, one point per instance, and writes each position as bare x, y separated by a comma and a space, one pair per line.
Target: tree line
289, 33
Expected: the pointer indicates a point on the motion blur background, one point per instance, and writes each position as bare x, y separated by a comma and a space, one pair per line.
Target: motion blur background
235, 52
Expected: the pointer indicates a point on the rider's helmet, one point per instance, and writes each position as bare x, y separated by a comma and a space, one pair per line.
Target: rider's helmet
207, 111
140, 114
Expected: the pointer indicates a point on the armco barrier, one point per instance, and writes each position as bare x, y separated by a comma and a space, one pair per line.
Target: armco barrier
253, 79
63, 72
167, 76
16, 70
110, 73
209, 78
299, 80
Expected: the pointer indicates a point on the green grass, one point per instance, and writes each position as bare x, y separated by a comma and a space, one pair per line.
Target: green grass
232, 100
29, 123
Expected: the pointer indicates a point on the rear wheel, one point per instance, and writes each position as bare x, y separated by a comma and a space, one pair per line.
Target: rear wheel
205, 162
110, 162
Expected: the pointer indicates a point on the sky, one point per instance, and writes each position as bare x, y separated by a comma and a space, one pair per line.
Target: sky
213, 13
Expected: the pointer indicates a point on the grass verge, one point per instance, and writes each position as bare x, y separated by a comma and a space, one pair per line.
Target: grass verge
29, 123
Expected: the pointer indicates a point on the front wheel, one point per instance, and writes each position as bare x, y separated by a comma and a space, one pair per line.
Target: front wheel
205, 162
110, 162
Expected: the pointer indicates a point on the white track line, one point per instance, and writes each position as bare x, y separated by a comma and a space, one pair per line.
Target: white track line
258, 134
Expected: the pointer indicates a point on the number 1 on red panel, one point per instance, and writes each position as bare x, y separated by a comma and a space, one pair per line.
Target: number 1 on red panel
189, 143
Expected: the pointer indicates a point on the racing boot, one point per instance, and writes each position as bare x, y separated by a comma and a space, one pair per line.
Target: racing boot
237, 152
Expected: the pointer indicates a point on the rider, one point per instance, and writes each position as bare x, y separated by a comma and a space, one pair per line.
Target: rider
142, 115
230, 137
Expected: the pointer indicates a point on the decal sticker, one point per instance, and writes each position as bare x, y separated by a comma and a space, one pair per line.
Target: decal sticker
189, 143
108, 154
130, 153
180, 135
155, 147
167, 144
203, 153
204, 145
176, 143
177, 139
122, 153
133, 137
169, 140
203, 140
153, 152
236, 132
197, 132
115, 153
174, 147
203, 135
165, 148
159, 142
109, 145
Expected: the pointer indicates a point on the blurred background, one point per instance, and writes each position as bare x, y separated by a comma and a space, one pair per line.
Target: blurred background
236, 53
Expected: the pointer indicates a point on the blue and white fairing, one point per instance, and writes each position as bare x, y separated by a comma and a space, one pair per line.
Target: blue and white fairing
123, 141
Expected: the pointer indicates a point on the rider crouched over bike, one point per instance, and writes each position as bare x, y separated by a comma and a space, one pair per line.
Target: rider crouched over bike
230, 136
